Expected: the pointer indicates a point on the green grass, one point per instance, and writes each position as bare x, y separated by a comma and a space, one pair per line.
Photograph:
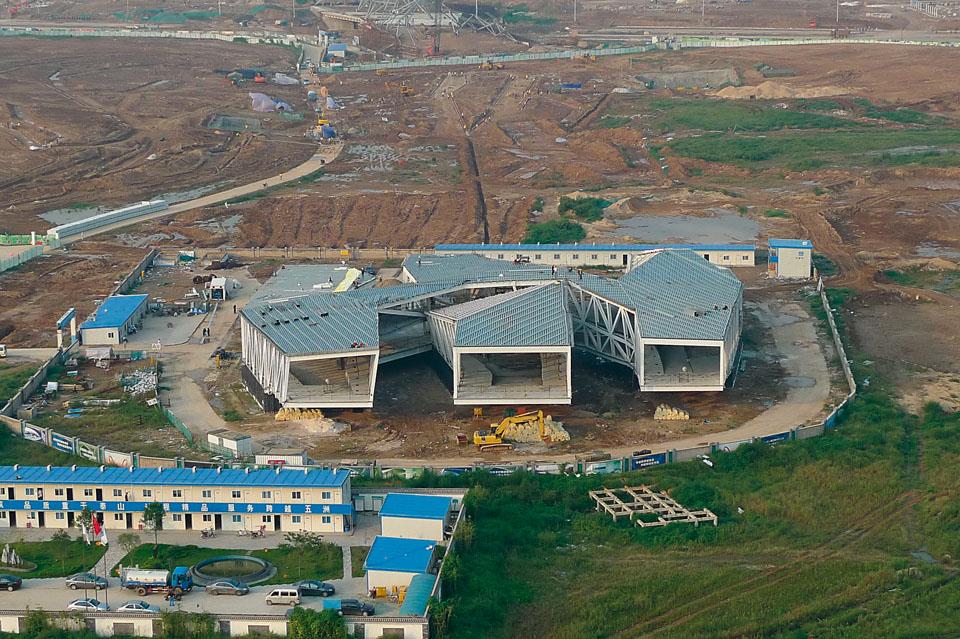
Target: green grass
818, 105
589, 209
552, 231
943, 281
16, 450
57, 558
724, 115
130, 425
776, 213
358, 555
803, 149
825, 266
613, 121
292, 564
519, 14
12, 378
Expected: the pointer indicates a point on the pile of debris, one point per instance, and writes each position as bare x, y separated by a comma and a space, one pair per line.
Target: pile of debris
666, 412
530, 432
140, 381
296, 414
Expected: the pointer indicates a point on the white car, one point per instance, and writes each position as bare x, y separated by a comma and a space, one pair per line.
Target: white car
88, 605
138, 605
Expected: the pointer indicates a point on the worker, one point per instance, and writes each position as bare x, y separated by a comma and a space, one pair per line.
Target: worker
580, 273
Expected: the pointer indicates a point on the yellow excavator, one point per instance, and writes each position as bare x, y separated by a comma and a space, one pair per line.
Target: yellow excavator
492, 439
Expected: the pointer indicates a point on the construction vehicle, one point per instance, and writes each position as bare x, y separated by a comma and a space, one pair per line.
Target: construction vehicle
486, 65
406, 91
493, 439
812, 24
145, 582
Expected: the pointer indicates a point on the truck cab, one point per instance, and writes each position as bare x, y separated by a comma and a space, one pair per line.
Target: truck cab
180, 578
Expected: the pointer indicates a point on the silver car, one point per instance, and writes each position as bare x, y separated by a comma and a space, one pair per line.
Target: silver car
86, 581
88, 605
138, 605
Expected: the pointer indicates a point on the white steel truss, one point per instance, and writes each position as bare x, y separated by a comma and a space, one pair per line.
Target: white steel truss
603, 327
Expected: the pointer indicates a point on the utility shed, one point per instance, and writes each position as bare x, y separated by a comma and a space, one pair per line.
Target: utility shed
418, 594
790, 258
393, 562
113, 320
230, 443
415, 516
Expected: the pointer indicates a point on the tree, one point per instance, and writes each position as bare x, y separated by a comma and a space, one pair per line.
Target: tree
305, 543
440, 615
84, 520
61, 538
153, 515
306, 623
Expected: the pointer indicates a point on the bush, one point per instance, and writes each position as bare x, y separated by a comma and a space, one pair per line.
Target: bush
553, 231
589, 209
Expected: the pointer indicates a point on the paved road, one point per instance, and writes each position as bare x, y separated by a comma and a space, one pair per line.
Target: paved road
327, 153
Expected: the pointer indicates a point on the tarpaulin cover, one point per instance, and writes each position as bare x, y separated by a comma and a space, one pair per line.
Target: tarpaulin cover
282, 78
263, 103
331, 103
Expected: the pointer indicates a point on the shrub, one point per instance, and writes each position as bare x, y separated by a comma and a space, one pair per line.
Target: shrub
589, 209
552, 231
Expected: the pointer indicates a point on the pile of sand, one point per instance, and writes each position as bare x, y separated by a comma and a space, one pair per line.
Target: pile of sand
770, 90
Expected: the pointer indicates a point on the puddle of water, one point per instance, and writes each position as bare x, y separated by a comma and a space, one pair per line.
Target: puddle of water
690, 228
190, 194
65, 216
931, 249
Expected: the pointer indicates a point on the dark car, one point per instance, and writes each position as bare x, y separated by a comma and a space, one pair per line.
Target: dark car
227, 587
85, 580
355, 607
313, 588
10, 583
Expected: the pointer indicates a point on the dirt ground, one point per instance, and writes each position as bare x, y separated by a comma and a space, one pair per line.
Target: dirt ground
110, 122
34, 295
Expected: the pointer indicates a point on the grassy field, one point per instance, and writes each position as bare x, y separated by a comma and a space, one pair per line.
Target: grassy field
15, 450
292, 564
552, 231
358, 555
848, 535
58, 558
130, 425
943, 281
727, 115
12, 378
803, 149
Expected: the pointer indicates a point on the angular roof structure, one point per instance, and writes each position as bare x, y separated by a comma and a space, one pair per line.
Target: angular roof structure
416, 506
398, 554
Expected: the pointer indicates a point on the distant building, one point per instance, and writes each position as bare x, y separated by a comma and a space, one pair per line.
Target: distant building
114, 319
790, 258
612, 255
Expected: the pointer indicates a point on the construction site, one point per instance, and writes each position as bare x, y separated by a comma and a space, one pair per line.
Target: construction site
368, 169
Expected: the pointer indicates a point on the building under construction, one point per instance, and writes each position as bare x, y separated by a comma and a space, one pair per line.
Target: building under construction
507, 330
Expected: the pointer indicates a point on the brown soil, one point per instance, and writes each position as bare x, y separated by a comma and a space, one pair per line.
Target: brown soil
125, 122
34, 295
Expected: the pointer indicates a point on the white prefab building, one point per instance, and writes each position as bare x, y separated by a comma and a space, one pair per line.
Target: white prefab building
588, 255
393, 562
790, 258
113, 320
415, 516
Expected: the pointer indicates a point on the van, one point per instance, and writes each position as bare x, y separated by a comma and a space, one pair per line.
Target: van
283, 596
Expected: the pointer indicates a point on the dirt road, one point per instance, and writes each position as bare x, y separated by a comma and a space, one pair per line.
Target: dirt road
325, 155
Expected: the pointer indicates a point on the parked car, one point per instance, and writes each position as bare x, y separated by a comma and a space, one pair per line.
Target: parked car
88, 605
314, 588
138, 605
283, 596
355, 607
10, 583
228, 587
85, 580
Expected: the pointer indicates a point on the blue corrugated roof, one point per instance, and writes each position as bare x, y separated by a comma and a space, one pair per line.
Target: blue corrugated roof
115, 311
796, 244
418, 594
587, 247
171, 476
395, 554
415, 506
337, 47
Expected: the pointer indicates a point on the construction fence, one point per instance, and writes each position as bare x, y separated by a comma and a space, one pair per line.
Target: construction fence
18, 256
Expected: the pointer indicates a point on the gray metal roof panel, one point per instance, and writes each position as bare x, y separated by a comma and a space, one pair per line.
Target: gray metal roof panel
530, 317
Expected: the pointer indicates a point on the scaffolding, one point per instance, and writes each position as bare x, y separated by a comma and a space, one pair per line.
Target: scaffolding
642, 505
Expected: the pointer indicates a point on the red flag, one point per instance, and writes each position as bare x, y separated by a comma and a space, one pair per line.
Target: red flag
98, 532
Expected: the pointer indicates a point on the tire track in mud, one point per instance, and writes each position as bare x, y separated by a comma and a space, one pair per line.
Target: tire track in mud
474, 171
